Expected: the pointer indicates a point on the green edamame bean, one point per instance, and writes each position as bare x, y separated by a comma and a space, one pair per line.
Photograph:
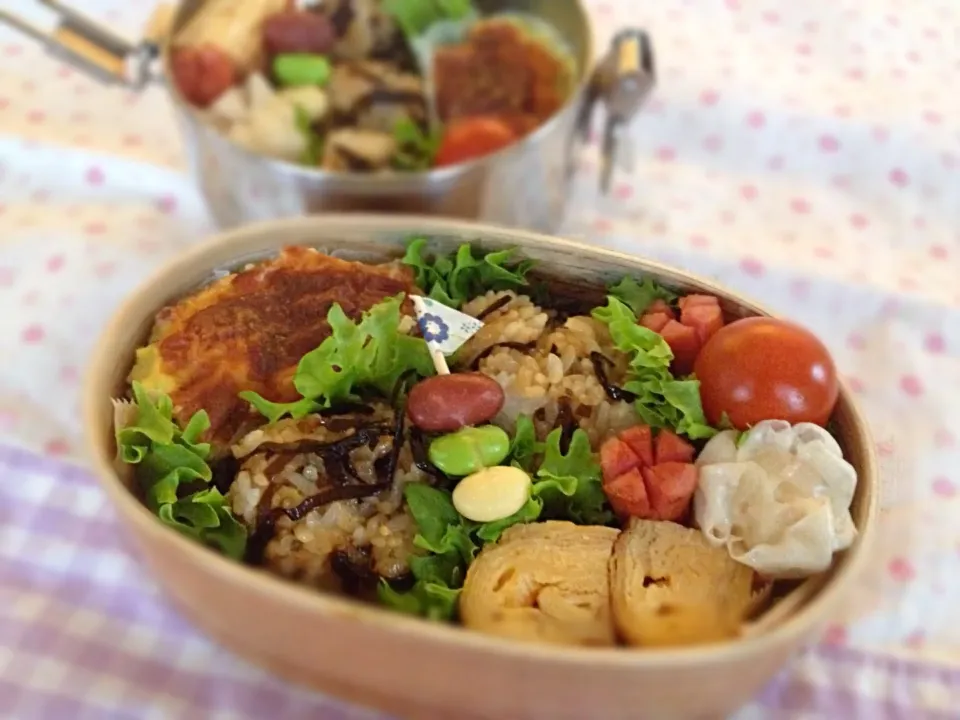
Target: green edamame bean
469, 449
296, 69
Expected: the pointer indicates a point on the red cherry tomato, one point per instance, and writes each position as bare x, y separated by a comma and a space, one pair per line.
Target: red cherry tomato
766, 369
471, 138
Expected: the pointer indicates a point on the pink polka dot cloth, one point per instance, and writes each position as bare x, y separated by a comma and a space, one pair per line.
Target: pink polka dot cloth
804, 153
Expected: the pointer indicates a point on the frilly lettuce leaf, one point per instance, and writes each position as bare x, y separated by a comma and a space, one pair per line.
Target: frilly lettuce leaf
662, 400
432, 600
570, 483
165, 468
434, 595
416, 148
371, 353
524, 447
205, 516
274, 411
452, 280
168, 463
415, 16
491, 531
451, 542
153, 424
445, 535
650, 356
409, 602
442, 569
442, 530
638, 296
578, 461
673, 404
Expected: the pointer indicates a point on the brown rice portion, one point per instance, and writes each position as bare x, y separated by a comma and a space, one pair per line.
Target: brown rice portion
543, 363
374, 532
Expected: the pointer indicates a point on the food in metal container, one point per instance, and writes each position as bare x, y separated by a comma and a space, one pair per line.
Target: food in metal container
501, 70
462, 438
387, 95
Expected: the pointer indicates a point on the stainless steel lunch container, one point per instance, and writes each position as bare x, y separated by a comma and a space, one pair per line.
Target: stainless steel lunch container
525, 185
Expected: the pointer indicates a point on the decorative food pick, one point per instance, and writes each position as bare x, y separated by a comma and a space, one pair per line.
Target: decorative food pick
444, 329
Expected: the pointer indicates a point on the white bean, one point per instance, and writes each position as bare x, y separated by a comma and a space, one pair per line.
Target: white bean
492, 493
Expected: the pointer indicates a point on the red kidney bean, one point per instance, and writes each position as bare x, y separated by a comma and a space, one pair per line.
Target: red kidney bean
297, 31
202, 73
445, 403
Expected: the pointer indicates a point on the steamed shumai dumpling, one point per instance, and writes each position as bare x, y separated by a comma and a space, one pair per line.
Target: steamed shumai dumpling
777, 501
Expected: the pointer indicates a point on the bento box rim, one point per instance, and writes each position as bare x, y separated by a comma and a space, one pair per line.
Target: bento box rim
199, 262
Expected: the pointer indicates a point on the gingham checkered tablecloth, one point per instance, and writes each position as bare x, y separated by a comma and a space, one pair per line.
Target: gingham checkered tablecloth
85, 634
807, 154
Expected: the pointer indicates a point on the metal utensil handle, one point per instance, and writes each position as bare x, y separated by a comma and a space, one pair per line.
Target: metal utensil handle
623, 80
91, 47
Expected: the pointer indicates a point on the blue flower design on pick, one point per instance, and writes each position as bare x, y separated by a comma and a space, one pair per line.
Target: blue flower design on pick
434, 328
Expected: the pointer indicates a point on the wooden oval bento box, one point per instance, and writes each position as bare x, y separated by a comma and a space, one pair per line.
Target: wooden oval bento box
409, 667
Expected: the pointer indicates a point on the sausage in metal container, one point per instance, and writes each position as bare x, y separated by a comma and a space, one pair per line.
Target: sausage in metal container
294, 31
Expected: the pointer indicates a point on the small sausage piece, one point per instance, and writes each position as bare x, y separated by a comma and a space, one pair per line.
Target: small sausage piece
202, 73
670, 486
655, 321
297, 31
705, 319
617, 458
694, 300
627, 495
684, 343
671, 448
640, 440
445, 403
661, 306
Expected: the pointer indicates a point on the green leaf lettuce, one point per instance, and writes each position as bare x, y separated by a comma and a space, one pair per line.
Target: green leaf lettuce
454, 279
638, 296
415, 16
371, 353
172, 472
570, 483
663, 401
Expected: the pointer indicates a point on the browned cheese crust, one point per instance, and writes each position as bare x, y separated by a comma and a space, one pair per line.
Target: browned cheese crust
248, 331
